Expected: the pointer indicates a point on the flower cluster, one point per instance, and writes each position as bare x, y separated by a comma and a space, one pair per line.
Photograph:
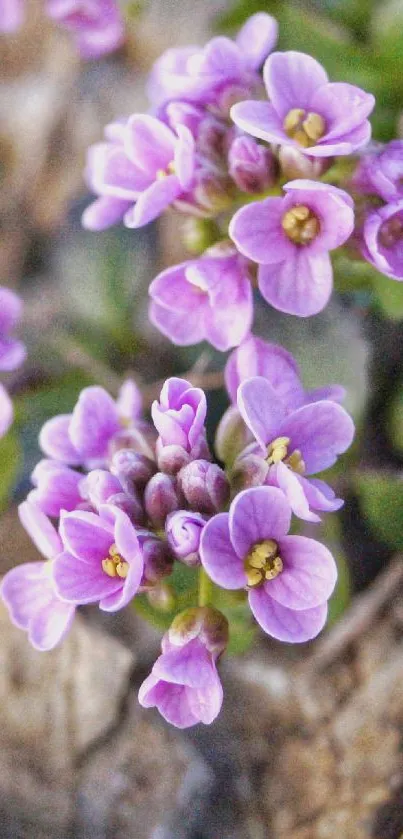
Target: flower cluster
12, 351
97, 26
257, 179
118, 500
378, 180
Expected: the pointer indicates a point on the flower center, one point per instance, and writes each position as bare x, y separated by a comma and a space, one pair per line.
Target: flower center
305, 128
163, 173
300, 224
391, 232
277, 451
114, 565
262, 563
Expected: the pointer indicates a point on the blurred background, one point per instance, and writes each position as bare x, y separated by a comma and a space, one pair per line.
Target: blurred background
309, 742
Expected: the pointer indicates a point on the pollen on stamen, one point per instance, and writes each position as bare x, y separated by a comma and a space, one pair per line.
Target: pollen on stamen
304, 128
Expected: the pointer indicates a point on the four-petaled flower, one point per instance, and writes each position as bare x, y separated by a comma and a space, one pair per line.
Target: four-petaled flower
204, 299
295, 444
290, 238
102, 559
318, 117
289, 578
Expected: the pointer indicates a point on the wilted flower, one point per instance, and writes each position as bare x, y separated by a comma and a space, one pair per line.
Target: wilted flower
204, 299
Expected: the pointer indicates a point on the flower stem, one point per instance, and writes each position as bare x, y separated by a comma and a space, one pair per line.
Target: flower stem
205, 588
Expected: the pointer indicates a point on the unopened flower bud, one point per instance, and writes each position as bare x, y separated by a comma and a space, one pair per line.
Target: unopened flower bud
296, 165
160, 498
162, 597
199, 233
101, 487
133, 469
251, 165
202, 622
205, 486
249, 471
172, 458
158, 560
141, 439
232, 436
183, 530
130, 504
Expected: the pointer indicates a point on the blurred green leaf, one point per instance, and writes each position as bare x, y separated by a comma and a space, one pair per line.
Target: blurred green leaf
381, 502
11, 462
389, 295
184, 583
395, 421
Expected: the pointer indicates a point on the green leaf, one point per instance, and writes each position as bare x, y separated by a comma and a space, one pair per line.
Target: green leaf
395, 421
389, 295
381, 502
184, 584
11, 462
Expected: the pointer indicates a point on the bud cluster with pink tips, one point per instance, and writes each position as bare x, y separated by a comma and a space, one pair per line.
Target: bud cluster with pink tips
119, 500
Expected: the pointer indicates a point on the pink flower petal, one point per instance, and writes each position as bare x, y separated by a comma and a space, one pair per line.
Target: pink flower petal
218, 556
257, 514
286, 624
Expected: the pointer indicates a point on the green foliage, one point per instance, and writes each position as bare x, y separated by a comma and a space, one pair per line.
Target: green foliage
11, 462
184, 582
395, 421
381, 503
389, 295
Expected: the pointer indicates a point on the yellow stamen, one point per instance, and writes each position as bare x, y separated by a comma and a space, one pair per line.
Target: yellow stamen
300, 224
277, 451
114, 565
305, 128
262, 563
162, 173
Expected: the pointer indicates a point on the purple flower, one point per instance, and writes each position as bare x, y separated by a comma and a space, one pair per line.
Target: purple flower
102, 560
307, 111
12, 352
255, 357
179, 417
206, 74
289, 578
297, 443
183, 531
381, 173
57, 487
11, 15
28, 590
101, 487
251, 165
140, 171
204, 299
383, 239
85, 436
290, 238
184, 684
97, 25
